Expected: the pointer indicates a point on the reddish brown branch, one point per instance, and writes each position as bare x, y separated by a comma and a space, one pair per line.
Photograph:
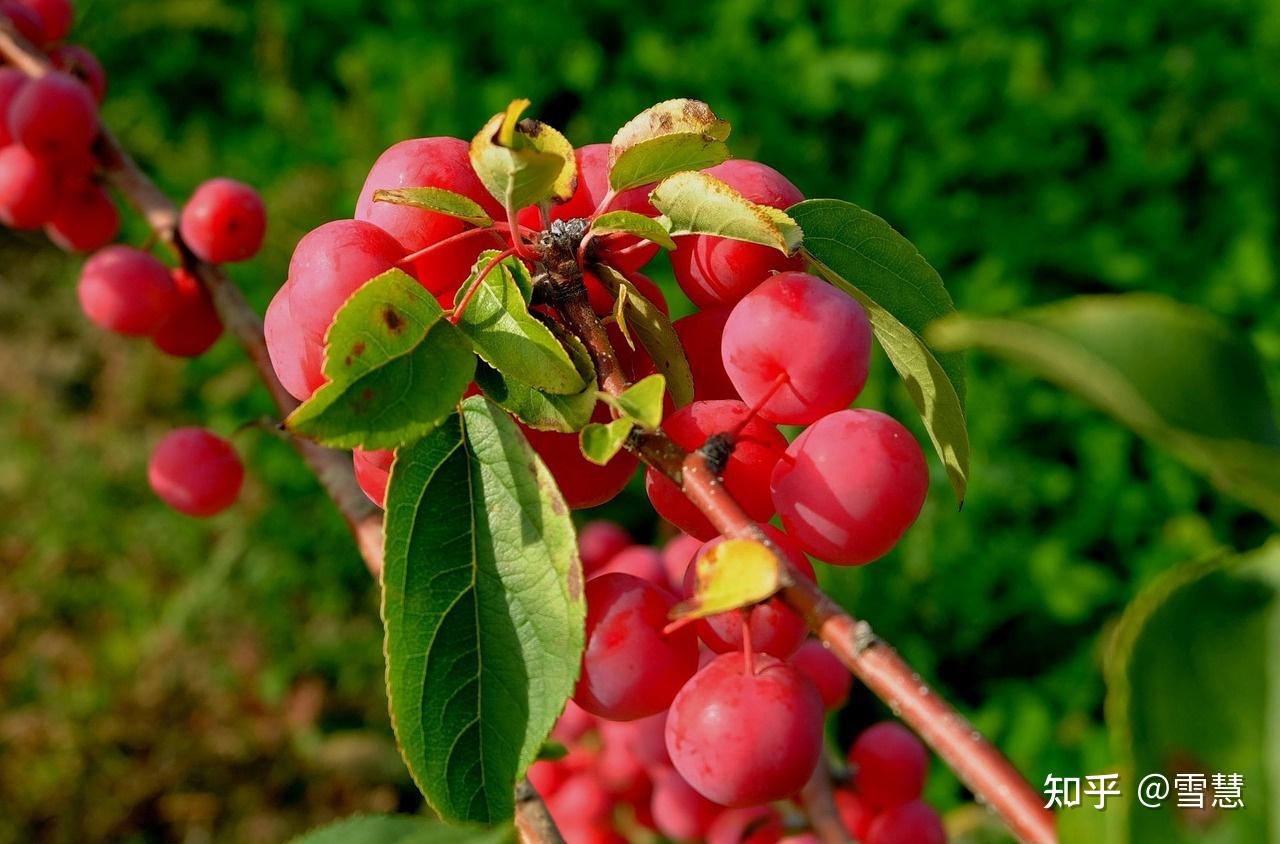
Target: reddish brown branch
331, 468
982, 768
820, 807
533, 821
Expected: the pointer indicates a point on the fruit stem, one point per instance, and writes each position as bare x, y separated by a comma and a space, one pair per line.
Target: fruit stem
452, 239
460, 310
779, 382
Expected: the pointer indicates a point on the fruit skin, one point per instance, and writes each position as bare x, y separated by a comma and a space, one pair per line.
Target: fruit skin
753, 825
55, 117
24, 19
679, 811
775, 627
84, 218
126, 291
582, 483
580, 801
797, 325
27, 188
56, 17
224, 221
630, 668
332, 262
195, 472
593, 185
828, 674
677, 554
758, 448
643, 562
373, 470
11, 81
193, 326
718, 271
83, 65
744, 738
850, 485
910, 823
296, 356
598, 542
855, 813
890, 765
644, 737
422, 162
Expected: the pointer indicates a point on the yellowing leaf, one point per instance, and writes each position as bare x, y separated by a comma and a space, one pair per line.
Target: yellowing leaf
438, 200
698, 203
523, 162
736, 573
667, 138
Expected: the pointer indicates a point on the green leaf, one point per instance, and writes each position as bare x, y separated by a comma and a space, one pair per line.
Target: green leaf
667, 138
600, 441
642, 401
438, 200
483, 610
862, 255
629, 222
396, 369
1172, 373
402, 829
540, 410
1219, 618
656, 333
698, 203
508, 337
523, 162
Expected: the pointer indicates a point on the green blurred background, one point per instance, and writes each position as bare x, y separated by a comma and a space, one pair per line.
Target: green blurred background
163, 679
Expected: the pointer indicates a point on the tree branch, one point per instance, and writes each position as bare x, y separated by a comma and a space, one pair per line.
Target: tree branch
978, 764
820, 807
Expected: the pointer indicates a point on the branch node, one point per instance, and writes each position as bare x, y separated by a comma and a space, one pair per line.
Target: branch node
716, 451
864, 638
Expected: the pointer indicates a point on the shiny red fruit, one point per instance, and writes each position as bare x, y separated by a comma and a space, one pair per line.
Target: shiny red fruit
195, 472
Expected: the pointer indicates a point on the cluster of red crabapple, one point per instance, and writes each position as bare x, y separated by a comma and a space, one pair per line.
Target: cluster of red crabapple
771, 345
623, 772
741, 723
49, 178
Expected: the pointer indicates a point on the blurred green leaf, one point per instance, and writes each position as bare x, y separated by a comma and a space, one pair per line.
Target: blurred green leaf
483, 609
863, 255
1173, 373
665, 139
508, 337
396, 369
402, 829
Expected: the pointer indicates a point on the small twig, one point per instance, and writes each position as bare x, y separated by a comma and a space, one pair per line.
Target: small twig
820, 806
533, 821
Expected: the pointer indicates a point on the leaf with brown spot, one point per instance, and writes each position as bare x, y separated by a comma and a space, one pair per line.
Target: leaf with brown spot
698, 203
670, 137
523, 162
396, 369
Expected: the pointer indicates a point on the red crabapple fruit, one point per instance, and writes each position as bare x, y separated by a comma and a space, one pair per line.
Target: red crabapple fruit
573, 723
828, 674
224, 221
27, 188
746, 735
55, 16
24, 19
850, 485
331, 263
718, 271
580, 801
910, 823
599, 542
373, 470
775, 628
757, 449
296, 356
797, 329
126, 291
643, 562
581, 482
195, 472
752, 825
84, 218
646, 738
889, 765
55, 117
679, 811
11, 81
416, 163
630, 667
855, 813
83, 65
677, 554
194, 325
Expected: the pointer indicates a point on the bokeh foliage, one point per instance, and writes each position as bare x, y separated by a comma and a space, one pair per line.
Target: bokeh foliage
160, 676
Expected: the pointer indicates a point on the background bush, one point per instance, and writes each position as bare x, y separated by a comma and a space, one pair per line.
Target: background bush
162, 679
